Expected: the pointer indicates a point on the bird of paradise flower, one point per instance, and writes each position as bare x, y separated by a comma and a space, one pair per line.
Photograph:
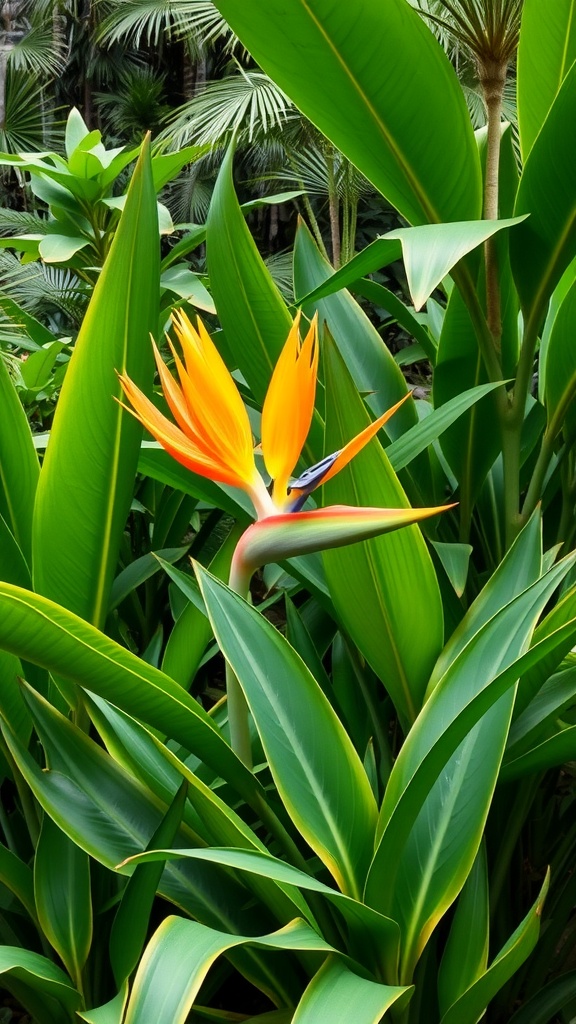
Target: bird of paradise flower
211, 435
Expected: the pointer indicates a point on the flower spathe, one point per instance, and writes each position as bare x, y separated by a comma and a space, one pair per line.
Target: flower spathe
212, 437
211, 434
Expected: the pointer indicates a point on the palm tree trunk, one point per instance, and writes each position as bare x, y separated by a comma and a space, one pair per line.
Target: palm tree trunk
492, 80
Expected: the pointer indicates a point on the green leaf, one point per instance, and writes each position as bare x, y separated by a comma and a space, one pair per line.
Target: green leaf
35, 330
192, 631
453, 790
60, 248
179, 956
471, 1005
110, 815
521, 567
369, 362
455, 560
166, 166
88, 472
465, 956
38, 367
334, 811
13, 568
76, 131
40, 974
563, 612
48, 635
12, 706
140, 570
380, 588
19, 467
376, 936
560, 386
547, 1003
18, 878
251, 310
539, 718
156, 463
132, 920
110, 1013
552, 752
542, 247
358, 88
429, 252
418, 438
546, 53
472, 446
62, 893
189, 286
336, 996
378, 295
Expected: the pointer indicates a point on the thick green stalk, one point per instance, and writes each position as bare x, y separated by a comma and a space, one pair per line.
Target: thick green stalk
238, 711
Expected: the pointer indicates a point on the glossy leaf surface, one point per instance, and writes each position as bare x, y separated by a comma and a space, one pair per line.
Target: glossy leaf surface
542, 247
471, 1005
355, 83
19, 467
88, 472
52, 637
334, 810
380, 587
547, 51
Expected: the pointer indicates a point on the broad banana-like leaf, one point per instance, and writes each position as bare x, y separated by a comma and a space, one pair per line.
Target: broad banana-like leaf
546, 53
429, 253
19, 466
180, 954
542, 246
380, 588
336, 996
43, 988
370, 363
87, 478
46, 634
349, 68
438, 851
253, 314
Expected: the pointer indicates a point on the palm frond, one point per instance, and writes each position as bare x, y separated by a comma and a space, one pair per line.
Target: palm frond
52, 294
247, 100
28, 125
21, 222
136, 105
487, 29
148, 21
188, 196
35, 53
281, 268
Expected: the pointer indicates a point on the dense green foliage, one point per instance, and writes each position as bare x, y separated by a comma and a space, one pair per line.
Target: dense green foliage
378, 823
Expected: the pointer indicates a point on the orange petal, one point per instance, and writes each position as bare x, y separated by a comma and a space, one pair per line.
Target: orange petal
184, 449
215, 407
289, 404
361, 439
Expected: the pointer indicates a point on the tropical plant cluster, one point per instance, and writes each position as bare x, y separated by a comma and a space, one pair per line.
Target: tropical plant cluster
287, 676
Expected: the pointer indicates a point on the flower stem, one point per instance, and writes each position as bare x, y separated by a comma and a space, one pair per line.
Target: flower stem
238, 711
238, 719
